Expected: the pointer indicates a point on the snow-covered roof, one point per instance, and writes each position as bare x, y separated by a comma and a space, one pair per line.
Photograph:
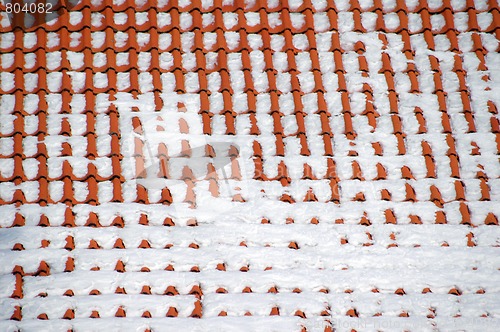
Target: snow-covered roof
229, 165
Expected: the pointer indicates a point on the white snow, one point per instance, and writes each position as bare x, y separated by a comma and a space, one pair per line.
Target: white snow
96, 19
389, 5
252, 18
481, 5
30, 40
367, 261
121, 39
297, 19
345, 21
391, 21
300, 42
144, 61
254, 41
7, 40
230, 20
461, 21
164, 41
342, 5
274, 20
7, 60
209, 40
207, 19
163, 19
186, 20
273, 4
52, 39
438, 22
232, 39
142, 38
141, 18
319, 5
277, 42
369, 20
321, 22
98, 39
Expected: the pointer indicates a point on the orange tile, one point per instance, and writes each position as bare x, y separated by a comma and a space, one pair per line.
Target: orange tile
133, 28
491, 219
460, 190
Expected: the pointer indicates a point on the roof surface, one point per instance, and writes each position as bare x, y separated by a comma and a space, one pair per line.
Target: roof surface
229, 165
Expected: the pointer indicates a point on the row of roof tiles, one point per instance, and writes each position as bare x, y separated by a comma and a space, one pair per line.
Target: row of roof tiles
115, 156
94, 175
182, 258
184, 70
222, 61
268, 82
64, 148
145, 244
71, 260
273, 304
93, 220
226, 101
255, 22
380, 236
199, 290
67, 195
292, 5
121, 312
26, 124
132, 40
19, 132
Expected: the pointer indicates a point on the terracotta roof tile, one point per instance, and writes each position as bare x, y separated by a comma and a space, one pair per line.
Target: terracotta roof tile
383, 144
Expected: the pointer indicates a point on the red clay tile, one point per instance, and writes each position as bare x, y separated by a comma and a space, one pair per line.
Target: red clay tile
359, 197
401, 144
385, 195
120, 290
422, 127
280, 145
415, 220
43, 270
17, 315
42, 316
464, 211
133, 30
406, 173
441, 217
120, 266
120, 312
381, 172
431, 167
119, 244
469, 117
352, 313
491, 219
455, 168
485, 191
390, 218
460, 191
436, 196
94, 245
